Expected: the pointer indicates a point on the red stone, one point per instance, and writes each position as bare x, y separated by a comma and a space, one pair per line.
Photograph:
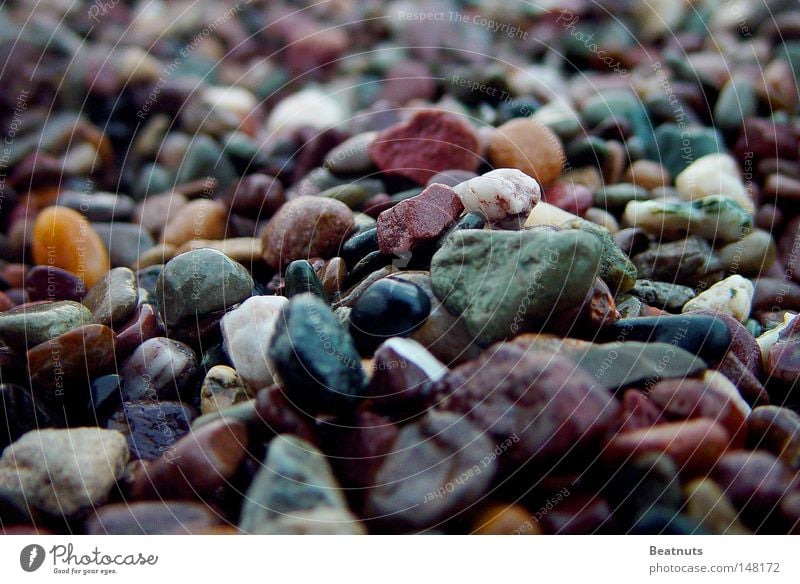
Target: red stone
144, 324
638, 411
418, 220
572, 197
430, 142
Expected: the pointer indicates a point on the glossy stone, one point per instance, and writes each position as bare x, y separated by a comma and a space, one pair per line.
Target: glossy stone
359, 245
145, 323
300, 277
198, 219
29, 325
222, 388
732, 296
151, 427
113, 298
52, 283
159, 368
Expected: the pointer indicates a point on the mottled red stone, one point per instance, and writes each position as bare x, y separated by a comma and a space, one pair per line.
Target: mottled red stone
778, 430
429, 142
418, 220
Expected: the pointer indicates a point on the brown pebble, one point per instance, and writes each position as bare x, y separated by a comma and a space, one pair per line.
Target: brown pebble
199, 219
531, 147
505, 520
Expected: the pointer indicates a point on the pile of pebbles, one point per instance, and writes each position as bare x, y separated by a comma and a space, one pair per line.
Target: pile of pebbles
359, 268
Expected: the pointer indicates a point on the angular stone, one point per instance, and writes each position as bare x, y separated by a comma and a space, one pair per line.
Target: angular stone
29, 325
505, 196
64, 473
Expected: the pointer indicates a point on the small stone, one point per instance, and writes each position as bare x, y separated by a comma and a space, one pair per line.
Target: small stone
439, 466
647, 174
677, 148
64, 473
736, 101
295, 482
306, 227
300, 277
418, 220
244, 250
255, 195
155, 211
529, 146
197, 283
114, 297
151, 427
616, 268
638, 411
545, 213
714, 174
545, 404
159, 368
707, 504
315, 357
352, 155
694, 445
641, 483
750, 256
776, 429
732, 296
152, 518
198, 219
359, 245
52, 283
63, 238
429, 142
663, 295
98, 206
309, 108
569, 196
144, 324
387, 309
683, 262
29, 325
247, 333
766, 340
126, 242
504, 196
199, 465
221, 389
486, 276
509, 519
333, 276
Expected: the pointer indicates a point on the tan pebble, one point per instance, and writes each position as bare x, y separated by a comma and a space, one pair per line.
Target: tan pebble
199, 219
647, 174
506, 520
529, 146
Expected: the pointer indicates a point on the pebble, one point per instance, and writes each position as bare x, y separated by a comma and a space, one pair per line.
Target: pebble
126, 242
199, 282
63, 238
245, 250
387, 309
155, 211
306, 227
301, 277
438, 467
684, 262
308, 108
530, 146
505, 519
615, 267
159, 368
256, 195
642, 483
414, 222
487, 276
52, 283
504, 196
333, 276
509, 385
151, 427
29, 325
750, 256
198, 219
679, 149
295, 483
98, 206
569, 196
315, 356
221, 389
777, 430
708, 504
114, 298
352, 155
713, 174
733, 296
152, 518
430, 141
144, 324
647, 175
766, 340
64, 473
663, 295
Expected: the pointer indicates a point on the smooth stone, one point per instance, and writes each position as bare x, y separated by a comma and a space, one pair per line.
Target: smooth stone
638, 411
255, 195
61, 368
371, 267
619, 195
430, 141
354, 195
602, 218
199, 465
145, 323
295, 479
439, 466
197, 283
733, 296
505, 196
387, 309
300, 278
126, 242
204, 159
401, 371
663, 295
683, 262
569, 196
152, 518
308, 108
64, 473
708, 504
677, 148
616, 269
360, 245
63, 238
714, 218
695, 445
21, 413
743, 346
352, 155
783, 368
247, 335
647, 174
105, 395
151, 428
703, 335
417, 221
751, 255
158, 255
715, 174
221, 389
315, 356
155, 211
52, 283
500, 519
245, 250
32, 324
530, 146
510, 385
306, 227
333, 276
114, 297
736, 101
159, 368
198, 219
502, 282
777, 430
99, 206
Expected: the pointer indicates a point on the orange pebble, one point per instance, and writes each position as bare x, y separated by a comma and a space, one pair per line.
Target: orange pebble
64, 238
506, 520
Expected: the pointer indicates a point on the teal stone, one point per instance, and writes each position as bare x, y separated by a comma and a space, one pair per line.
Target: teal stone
677, 148
300, 277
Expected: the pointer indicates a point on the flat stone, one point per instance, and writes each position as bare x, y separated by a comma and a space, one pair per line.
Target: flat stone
64, 473
507, 282
29, 325
247, 335
160, 368
427, 143
663, 295
198, 283
151, 428
505, 196
529, 146
113, 298
221, 389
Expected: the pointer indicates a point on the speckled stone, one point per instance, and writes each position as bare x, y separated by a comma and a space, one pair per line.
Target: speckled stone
505, 196
151, 427
222, 388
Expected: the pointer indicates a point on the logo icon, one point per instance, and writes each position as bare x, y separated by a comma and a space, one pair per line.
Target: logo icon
31, 557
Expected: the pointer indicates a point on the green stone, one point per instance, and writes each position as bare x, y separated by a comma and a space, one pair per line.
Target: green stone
504, 282
676, 148
30, 325
300, 277
616, 268
737, 101
114, 297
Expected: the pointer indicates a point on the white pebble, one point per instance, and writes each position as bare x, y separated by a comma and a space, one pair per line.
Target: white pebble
733, 295
770, 337
308, 108
713, 174
499, 195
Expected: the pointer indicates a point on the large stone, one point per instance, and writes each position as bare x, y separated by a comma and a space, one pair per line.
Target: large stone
32, 324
